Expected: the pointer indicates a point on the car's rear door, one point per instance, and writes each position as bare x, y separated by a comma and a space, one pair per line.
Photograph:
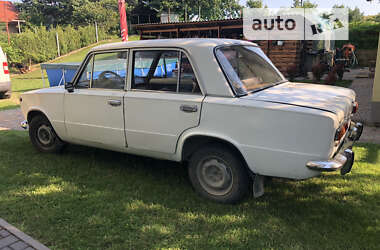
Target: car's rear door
164, 99
94, 111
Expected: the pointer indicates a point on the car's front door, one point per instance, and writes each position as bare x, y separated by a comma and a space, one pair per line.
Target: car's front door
164, 100
94, 110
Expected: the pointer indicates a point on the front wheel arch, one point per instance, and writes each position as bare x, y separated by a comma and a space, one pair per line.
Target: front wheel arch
34, 113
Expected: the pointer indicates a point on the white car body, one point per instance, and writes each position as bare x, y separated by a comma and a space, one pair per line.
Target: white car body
277, 130
5, 81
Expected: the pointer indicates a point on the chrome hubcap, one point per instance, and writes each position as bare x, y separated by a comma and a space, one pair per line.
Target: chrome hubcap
215, 176
45, 135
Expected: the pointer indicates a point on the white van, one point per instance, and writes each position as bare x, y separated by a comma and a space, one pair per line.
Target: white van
5, 81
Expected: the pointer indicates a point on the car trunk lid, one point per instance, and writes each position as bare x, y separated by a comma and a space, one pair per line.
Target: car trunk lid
333, 99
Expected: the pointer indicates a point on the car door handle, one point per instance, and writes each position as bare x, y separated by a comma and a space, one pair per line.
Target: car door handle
189, 108
114, 102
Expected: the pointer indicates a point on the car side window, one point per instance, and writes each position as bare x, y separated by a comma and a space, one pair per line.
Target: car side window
155, 70
85, 78
187, 82
110, 70
159, 70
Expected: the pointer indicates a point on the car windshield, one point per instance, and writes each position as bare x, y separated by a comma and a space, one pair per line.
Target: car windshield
247, 68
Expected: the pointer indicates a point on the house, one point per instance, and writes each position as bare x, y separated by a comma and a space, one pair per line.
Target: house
9, 21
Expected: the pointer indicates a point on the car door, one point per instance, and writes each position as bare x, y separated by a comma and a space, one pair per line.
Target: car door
94, 110
164, 99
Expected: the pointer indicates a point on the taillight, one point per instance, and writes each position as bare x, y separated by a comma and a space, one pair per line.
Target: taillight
5, 67
340, 132
355, 107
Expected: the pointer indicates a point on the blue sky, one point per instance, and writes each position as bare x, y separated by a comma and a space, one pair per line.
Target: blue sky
369, 8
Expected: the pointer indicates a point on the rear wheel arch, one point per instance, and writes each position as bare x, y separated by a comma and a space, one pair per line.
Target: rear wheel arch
194, 142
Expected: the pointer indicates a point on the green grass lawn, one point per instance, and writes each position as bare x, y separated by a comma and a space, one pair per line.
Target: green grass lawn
88, 198
33, 80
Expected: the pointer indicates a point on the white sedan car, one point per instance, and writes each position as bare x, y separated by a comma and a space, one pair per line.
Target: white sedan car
220, 105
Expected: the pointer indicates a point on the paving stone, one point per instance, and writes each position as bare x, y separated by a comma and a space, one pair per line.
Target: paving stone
19, 245
6, 248
7, 241
29, 248
3, 233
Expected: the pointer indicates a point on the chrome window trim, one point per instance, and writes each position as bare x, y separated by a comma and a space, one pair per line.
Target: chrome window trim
131, 58
228, 78
92, 54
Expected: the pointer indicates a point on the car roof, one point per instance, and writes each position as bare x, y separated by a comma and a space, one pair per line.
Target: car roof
185, 43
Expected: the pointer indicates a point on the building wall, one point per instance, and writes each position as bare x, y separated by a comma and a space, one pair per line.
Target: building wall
290, 53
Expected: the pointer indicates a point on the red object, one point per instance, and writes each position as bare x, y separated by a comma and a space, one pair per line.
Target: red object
355, 108
5, 67
123, 21
8, 12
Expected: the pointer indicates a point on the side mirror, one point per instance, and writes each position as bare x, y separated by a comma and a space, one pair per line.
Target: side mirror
69, 86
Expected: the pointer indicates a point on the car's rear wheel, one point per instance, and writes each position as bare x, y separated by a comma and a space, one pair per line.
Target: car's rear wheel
218, 173
43, 136
4, 95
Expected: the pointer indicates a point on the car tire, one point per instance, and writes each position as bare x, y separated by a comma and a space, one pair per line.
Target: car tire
43, 136
219, 174
4, 95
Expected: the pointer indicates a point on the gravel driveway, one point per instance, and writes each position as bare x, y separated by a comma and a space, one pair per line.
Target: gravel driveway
11, 119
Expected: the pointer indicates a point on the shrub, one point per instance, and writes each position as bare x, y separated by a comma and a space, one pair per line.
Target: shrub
38, 44
364, 35
292, 71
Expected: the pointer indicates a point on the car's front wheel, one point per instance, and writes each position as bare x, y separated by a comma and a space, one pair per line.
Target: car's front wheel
218, 173
43, 136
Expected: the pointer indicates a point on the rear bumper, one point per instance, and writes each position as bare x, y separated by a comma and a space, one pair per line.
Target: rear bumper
5, 87
344, 159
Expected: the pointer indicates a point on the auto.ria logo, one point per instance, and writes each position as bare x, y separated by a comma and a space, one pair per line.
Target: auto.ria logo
295, 24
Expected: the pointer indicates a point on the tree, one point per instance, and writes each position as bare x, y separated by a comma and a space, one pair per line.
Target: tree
46, 12
354, 15
62, 12
303, 4
211, 9
254, 3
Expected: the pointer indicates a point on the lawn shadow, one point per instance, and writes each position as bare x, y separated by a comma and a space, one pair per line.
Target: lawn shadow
115, 200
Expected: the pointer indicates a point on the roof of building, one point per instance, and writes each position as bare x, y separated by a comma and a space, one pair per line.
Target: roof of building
8, 11
190, 23
188, 43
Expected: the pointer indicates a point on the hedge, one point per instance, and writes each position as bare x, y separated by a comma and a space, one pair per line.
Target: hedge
38, 44
364, 35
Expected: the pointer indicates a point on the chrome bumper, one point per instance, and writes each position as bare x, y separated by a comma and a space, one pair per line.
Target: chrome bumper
24, 124
344, 159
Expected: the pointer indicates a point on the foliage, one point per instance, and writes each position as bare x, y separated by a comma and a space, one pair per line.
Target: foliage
364, 35
64, 12
39, 44
105, 12
305, 4
254, 3
213, 9
354, 15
